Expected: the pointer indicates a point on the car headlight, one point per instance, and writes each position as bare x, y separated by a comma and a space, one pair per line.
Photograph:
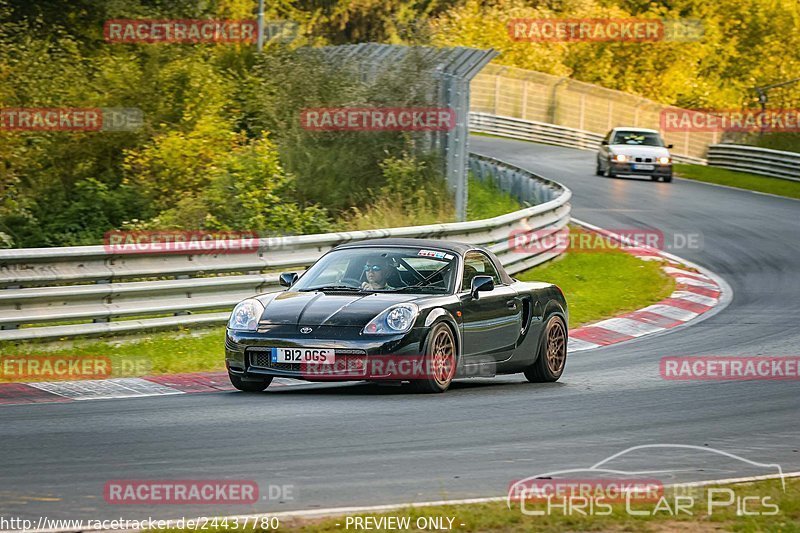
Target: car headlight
664, 160
397, 319
620, 158
245, 315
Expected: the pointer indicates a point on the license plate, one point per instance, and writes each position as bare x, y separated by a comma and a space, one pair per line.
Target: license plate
643, 167
320, 356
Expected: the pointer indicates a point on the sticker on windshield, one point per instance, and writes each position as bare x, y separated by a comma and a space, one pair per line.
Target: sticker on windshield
434, 254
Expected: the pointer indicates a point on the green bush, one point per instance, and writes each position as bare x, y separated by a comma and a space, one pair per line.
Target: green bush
197, 160
788, 142
201, 159
413, 193
246, 189
337, 169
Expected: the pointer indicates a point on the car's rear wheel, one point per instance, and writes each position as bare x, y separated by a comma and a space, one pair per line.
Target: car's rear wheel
598, 170
440, 361
250, 386
549, 366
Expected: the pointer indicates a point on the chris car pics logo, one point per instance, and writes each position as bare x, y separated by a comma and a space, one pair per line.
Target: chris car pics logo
610, 484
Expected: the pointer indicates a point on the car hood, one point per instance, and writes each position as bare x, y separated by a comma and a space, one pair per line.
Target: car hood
639, 151
327, 309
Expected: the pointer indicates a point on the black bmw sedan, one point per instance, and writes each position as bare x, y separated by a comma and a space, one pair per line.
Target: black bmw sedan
400, 310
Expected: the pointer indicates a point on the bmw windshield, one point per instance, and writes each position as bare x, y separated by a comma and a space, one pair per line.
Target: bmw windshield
370, 269
638, 138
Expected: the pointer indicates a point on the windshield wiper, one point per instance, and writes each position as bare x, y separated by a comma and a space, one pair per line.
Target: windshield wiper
332, 288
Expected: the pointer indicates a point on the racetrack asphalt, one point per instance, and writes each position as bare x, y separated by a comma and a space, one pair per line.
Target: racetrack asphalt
347, 445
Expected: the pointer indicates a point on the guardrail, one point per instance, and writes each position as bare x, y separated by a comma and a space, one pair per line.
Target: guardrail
88, 290
785, 165
542, 132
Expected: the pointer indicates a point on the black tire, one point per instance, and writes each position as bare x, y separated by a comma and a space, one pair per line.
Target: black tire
552, 359
250, 386
441, 358
608, 173
598, 171
667, 179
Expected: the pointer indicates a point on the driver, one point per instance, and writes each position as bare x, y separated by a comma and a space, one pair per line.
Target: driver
377, 270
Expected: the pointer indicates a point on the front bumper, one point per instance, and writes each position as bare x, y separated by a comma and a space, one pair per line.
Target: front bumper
247, 353
628, 168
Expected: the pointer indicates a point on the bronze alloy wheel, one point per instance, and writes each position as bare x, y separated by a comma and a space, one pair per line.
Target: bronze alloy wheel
443, 357
552, 357
556, 346
440, 361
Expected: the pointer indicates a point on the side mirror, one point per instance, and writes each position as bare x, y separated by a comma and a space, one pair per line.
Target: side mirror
481, 284
669, 146
604, 142
287, 279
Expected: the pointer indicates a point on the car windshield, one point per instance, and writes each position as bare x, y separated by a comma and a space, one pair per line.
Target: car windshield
391, 269
638, 138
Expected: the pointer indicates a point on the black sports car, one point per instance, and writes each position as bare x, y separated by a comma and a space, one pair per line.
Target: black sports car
421, 311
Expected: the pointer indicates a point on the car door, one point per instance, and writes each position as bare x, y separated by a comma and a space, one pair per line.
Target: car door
492, 322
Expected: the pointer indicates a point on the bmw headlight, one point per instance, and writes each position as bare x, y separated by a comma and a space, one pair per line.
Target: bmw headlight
396, 319
620, 158
245, 315
664, 160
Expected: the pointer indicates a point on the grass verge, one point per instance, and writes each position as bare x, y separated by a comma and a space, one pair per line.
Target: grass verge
740, 180
486, 200
597, 285
660, 516
601, 282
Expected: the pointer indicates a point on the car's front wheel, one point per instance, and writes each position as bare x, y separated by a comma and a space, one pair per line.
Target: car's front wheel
598, 170
250, 386
440, 361
549, 366
608, 172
